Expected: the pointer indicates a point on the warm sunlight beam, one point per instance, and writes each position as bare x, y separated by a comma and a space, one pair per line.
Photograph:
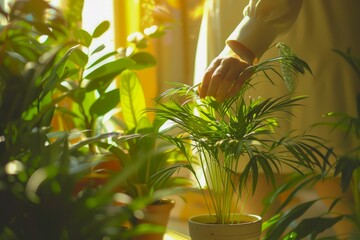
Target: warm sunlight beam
94, 13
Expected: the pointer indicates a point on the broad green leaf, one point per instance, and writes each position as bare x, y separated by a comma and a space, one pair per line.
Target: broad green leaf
101, 29
83, 109
132, 98
143, 123
105, 103
79, 58
104, 74
116, 66
100, 84
143, 60
83, 37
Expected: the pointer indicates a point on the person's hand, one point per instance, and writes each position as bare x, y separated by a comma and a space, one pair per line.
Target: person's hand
225, 75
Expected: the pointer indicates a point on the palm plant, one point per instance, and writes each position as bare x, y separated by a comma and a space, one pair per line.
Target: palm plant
348, 164
290, 221
236, 139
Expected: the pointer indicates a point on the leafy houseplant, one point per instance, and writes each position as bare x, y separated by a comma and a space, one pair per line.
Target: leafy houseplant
90, 80
40, 167
89, 95
106, 95
98, 97
141, 142
235, 139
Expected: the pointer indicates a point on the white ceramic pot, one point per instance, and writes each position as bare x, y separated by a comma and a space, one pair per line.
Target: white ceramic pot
204, 227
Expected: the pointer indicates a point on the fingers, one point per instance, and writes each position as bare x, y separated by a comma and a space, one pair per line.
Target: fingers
224, 78
226, 84
239, 82
203, 88
218, 79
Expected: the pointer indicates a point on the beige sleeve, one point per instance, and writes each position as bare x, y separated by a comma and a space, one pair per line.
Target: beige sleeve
263, 21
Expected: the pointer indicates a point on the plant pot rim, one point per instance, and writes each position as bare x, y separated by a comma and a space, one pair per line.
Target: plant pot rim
205, 227
163, 201
205, 219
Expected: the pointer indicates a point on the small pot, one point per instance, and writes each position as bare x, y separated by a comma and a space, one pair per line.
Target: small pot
157, 213
204, 227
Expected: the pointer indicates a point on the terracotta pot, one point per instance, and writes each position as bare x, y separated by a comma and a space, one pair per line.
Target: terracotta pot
158, 214
204, 227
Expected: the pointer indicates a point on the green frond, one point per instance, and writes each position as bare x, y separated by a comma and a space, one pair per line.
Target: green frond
225, 134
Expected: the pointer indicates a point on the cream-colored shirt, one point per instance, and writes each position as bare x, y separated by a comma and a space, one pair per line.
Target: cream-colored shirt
312, 28
263, 21
258, 22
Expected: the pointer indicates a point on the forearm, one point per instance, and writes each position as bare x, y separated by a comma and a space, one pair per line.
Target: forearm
263, 21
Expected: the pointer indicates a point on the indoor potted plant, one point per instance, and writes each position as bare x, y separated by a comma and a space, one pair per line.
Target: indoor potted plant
89, 95
100, 96
141, 142
234, 140
117, 109
38, 167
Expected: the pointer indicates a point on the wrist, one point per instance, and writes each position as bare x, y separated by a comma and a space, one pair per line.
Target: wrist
243, 52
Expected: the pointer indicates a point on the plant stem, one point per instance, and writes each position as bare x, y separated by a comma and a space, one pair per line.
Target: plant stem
356, 192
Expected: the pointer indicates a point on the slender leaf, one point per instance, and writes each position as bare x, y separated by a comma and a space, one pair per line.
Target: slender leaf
281, 225
101, 29
56, 73
314, 226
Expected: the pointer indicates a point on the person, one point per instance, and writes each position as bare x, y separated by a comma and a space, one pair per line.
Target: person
311, 28
229, 42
